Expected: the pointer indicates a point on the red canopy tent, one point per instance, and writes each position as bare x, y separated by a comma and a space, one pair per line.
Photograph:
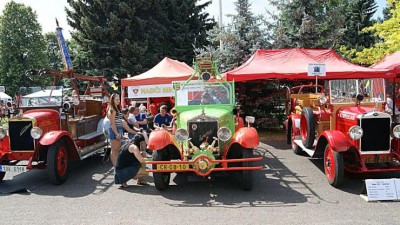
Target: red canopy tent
293, 64
164, 72
390, 62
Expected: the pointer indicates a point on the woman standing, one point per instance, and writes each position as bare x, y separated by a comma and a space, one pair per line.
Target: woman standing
116, 130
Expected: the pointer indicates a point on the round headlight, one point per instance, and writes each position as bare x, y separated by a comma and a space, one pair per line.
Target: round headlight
181, 135
322, 100
224, 134
355, 132
396, 131
75, 101
36, 132
3, 133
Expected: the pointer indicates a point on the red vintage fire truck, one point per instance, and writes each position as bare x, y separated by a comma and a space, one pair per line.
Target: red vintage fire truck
50, 129
346, 126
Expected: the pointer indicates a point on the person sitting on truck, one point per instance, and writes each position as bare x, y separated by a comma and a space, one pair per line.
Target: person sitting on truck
206, 99
130, 162
162, 119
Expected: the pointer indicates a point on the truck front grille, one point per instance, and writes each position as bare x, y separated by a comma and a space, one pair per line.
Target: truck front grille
376, 136
20, 135
201, 131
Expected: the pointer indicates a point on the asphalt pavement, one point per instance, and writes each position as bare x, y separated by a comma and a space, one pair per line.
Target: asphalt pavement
290, 190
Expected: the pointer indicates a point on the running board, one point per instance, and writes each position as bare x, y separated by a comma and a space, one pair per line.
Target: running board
310, 152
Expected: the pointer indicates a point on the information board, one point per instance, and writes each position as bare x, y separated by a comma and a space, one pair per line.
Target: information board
382, 189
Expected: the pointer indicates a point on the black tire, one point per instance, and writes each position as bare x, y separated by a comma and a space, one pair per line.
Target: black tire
161, 180
295, 148
247, 175
58, 162
333, 166
307, 127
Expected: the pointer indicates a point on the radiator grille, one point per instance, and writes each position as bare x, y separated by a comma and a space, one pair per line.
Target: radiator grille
376, 135
199, 131
20, 135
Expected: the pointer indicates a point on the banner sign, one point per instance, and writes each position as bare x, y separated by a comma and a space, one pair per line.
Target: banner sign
316, 69
150, 91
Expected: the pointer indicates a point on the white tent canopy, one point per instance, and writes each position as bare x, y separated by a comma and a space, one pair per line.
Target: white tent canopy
42, 97
5, 97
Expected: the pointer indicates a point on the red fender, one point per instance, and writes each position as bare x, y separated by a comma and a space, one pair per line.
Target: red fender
159, 139
246, 137
337, 140
53, 136
292, 118
5, 145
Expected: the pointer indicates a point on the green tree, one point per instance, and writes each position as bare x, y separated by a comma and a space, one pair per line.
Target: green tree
360, 15
309, 24
130, 36
389, 33
241, 38
22, 46
53, 52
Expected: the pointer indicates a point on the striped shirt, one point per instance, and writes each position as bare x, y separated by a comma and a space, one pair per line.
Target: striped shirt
118, 119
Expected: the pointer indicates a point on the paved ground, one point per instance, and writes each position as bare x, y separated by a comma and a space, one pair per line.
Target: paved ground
290, 190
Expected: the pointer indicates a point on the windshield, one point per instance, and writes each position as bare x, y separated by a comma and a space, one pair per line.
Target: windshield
344, 91
203, 93
51, 96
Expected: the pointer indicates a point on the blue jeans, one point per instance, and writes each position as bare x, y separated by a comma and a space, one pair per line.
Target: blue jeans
112, 134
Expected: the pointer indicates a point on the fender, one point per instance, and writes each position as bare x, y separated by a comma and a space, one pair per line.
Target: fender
246, 137
159, 139
336, 139
295, 120
5, 145
53, 136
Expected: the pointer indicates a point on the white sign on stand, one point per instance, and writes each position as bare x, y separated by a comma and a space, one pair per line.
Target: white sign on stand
381, 189
316, 69
2, 89
397, 184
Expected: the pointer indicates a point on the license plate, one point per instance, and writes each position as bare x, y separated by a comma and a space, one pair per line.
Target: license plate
172, 167
5, 168
380, 159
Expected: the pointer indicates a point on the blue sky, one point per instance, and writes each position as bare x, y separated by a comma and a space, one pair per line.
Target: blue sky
48, 10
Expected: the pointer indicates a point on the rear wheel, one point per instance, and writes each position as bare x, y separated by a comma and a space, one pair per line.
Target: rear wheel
247, 175
57, 162
161, 180
334, 167
307, 127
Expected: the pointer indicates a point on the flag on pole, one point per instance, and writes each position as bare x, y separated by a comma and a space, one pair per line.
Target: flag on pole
63, 49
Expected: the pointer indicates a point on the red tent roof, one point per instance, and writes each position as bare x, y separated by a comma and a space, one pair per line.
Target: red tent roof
164, 72
390, 62
293, 64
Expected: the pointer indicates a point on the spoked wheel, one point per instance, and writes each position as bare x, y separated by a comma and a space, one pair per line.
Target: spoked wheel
57, 162
307, 127
334, 167
161, 180
247, 175
292, 135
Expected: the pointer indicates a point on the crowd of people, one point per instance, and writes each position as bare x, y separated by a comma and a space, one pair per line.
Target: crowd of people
128, 130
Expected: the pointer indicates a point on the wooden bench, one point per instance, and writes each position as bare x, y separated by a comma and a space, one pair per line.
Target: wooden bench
90, 135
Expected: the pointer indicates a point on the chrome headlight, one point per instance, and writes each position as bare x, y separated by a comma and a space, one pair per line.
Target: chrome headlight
355, 132
36, 132
322, 100
396, 131
3, 133
224, 133
181, 135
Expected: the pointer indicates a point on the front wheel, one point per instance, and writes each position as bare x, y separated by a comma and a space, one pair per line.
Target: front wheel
334, 167
307, 127
247, 175
161, 180
57, 162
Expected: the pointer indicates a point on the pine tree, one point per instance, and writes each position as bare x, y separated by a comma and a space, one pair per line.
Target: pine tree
22, 46
360, 16
309, 24
130, 36
240, 38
